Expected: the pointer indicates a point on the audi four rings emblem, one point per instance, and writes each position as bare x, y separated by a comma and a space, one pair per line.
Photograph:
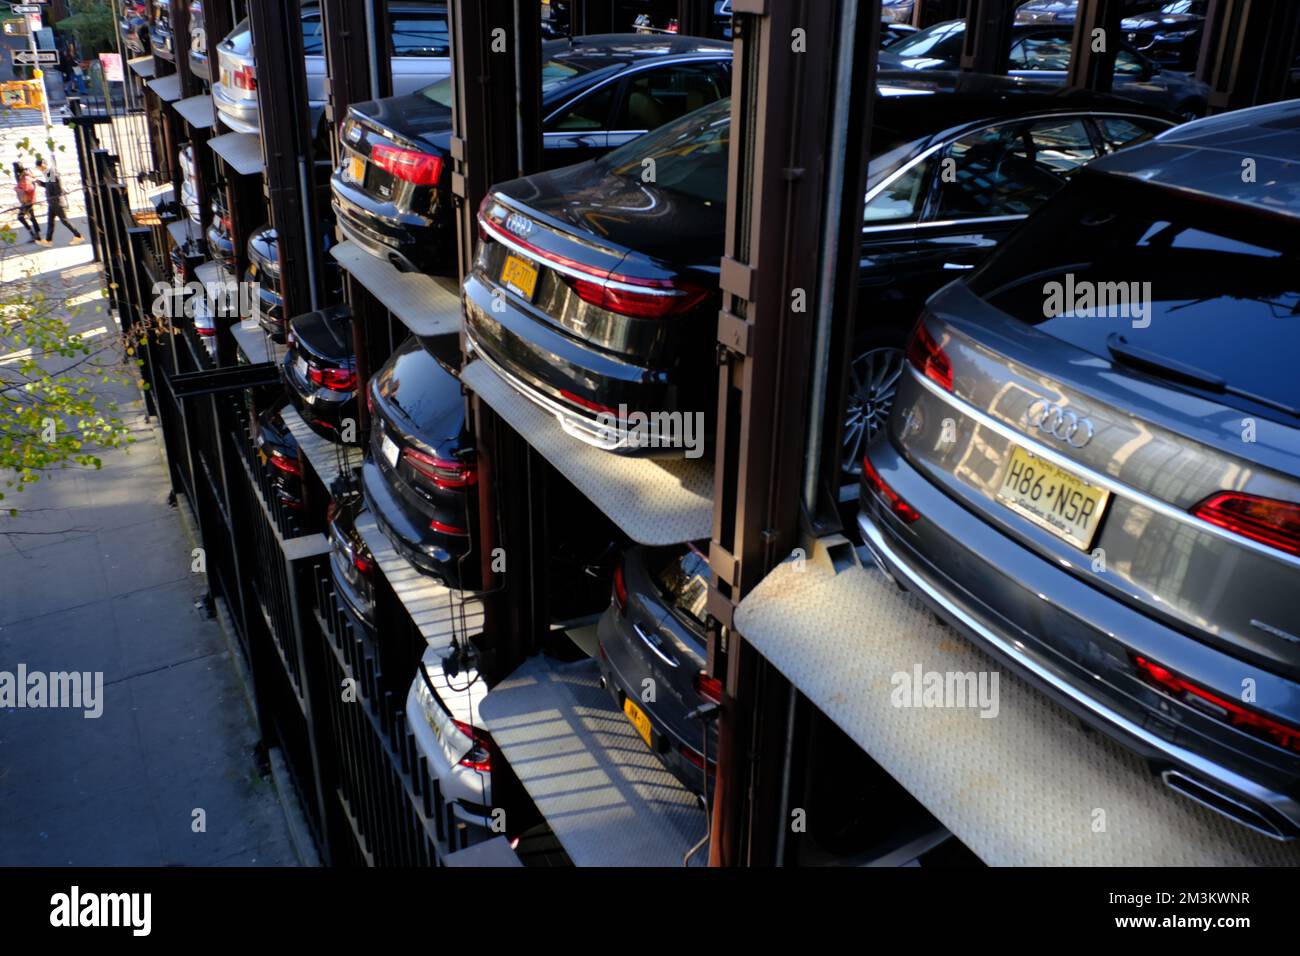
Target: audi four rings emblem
518, 224
1060, 423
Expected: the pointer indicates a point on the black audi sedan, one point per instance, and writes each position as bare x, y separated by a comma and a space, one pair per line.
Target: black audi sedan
351, 563
321, 372
264, 270
392, 190
610, 283
652, 655
420, 475
278, 449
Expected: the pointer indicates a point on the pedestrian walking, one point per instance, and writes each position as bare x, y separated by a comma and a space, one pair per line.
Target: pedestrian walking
53, 186
26, 190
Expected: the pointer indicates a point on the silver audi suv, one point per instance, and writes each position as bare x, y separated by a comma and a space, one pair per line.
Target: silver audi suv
1093, 464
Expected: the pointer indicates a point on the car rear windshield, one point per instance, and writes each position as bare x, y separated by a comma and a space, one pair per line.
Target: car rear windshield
688, 156
1202, 294
554, 72
684, 583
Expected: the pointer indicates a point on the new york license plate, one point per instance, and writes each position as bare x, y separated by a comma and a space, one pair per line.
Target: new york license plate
639, 720
519, 276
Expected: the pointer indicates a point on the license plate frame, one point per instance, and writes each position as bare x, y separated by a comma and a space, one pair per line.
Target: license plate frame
639, 720
300, 366
519, 276
1057, 480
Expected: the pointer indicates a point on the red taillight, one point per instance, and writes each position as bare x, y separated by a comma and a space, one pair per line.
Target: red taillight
632, 296
335, 379
1266, 520
620, 590
244, 78
896, 504
409, 165
446, 474
363, 565
928, 357
205, 330
290, 466
710, 688
654, 300
480, 752
443, 528
1223, 708
695, 758
673, 26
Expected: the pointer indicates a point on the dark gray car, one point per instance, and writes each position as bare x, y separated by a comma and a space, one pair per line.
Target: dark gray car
1094, 459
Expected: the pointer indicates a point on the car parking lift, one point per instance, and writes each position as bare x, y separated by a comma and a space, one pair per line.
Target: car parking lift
805, 632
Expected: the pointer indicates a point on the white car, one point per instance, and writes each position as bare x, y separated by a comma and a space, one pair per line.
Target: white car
420, 48
443, 714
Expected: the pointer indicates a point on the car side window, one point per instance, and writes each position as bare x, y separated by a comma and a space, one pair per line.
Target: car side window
313, 39
1041, 51
1118, 132
1128, 64
418, 35
902, 200
589, 113
997, 171
659, 96
1061, 144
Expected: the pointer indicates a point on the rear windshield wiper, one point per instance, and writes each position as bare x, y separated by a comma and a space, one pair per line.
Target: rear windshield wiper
1172, 370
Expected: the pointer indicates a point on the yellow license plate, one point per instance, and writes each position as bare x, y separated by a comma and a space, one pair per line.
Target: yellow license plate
1052, 497
639, 720
357, 169
519, 276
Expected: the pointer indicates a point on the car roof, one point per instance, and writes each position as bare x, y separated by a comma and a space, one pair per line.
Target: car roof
610, 49
1210, 158
918, 103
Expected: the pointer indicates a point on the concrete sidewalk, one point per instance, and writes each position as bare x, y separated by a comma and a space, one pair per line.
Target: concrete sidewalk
96, 576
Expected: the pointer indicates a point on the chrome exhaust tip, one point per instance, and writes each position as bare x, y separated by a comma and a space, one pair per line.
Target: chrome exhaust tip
1223, 802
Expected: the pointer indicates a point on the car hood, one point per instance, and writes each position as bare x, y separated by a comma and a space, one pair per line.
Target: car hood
628, 213
413, 117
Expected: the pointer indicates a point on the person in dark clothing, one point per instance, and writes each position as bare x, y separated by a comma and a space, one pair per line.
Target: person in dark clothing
53, 187
26, 192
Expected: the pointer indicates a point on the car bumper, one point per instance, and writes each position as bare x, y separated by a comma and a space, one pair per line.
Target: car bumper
1076, 643
410, 241
237, 113
437, 555
623, 676
541, 363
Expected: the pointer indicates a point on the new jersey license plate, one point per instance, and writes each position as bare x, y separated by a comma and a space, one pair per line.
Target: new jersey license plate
1052, 497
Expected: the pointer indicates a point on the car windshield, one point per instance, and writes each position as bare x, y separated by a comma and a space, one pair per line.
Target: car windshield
688, 156
554, 72
1181, 281
928, 41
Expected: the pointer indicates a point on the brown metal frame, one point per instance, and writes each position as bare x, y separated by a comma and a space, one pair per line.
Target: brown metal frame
987, 41
1248, 51
1095, 69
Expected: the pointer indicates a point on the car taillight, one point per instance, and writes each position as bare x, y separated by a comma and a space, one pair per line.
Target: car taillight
364, 565
620, 590
244, 78
480, 751
1222, 708
586, 402
653, 299
710, 688
871, 478
445, 473
1266, 520
204, 330
443, 528
673, 26
335, 379
928, 357
290, 466
695, 758
409, 165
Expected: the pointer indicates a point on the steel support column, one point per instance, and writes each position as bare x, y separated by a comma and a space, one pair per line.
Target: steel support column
695, 18
797, 67
286, 149
1248, 51
987, 41
591, 17
1096, 42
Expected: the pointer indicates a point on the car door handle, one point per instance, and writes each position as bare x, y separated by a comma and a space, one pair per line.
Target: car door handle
957, 266
651, 643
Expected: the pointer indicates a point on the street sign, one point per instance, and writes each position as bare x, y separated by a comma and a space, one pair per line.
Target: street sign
35, 57
26, 8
